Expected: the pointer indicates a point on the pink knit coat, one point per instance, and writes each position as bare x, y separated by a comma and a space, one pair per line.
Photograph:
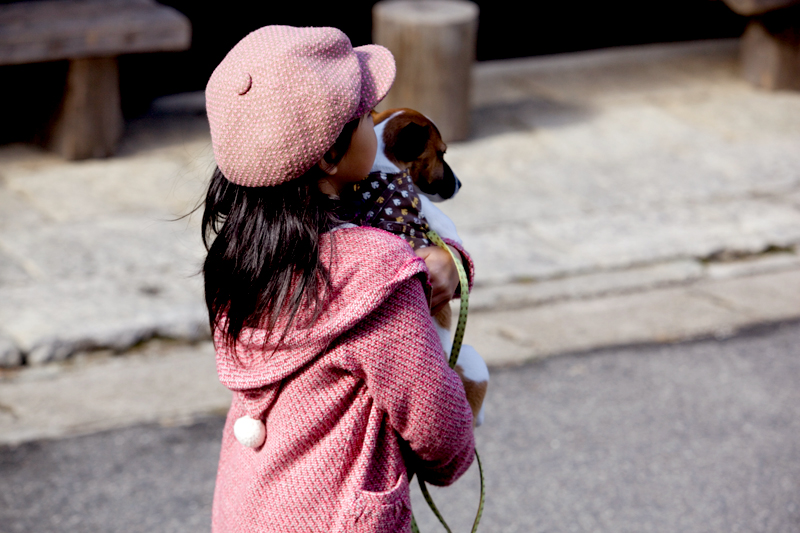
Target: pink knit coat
354, 403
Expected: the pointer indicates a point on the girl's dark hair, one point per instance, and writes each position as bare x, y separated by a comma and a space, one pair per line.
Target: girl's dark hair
263, 259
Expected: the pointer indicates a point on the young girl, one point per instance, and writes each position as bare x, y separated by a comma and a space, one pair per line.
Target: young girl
322, 329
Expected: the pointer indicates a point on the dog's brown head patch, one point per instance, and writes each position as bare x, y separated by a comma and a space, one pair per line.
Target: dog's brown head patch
411, 139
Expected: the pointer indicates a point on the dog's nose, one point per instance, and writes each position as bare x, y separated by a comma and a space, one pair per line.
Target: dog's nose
450, 183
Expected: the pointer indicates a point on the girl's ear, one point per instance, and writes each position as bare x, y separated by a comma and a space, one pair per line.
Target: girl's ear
326, 166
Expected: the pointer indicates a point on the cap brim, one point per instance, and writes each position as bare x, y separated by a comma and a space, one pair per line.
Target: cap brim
378, 70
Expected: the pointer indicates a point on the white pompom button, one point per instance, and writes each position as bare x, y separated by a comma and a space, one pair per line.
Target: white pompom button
250, 432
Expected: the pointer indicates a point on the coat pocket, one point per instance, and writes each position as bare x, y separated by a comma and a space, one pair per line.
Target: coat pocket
380, 512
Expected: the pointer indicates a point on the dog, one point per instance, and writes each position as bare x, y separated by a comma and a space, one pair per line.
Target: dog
409, 144
409, 139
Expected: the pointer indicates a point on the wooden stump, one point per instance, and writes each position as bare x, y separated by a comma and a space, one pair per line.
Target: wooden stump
771, 50
433, 42
749, 8
90, 121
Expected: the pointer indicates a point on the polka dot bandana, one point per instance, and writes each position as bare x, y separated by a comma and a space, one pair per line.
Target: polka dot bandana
282, 95
388, 202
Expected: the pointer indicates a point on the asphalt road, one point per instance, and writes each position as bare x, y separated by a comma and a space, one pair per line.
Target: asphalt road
697, 437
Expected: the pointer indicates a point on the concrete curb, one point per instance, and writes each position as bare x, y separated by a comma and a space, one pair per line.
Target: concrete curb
708, 307
161, 382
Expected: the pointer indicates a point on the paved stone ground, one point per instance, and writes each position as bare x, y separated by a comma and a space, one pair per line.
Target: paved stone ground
611, 197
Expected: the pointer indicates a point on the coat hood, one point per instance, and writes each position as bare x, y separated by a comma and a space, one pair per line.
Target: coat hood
365, 266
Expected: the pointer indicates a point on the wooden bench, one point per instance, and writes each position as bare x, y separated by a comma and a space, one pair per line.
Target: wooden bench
771, 42
90, 34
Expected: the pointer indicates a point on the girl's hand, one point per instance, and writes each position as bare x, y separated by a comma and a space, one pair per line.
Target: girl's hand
443, 275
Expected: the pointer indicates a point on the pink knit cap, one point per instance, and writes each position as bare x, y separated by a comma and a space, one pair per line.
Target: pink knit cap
282, 95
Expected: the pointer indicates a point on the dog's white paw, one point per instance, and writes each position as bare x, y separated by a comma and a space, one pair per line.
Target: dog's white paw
479, 418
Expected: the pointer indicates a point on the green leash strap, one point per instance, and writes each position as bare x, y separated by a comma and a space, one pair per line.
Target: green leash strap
479, 514
461, 326
458, 340
424, 488
429, 499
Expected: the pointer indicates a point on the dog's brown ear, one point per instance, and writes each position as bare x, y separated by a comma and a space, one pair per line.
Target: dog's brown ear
411, 142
